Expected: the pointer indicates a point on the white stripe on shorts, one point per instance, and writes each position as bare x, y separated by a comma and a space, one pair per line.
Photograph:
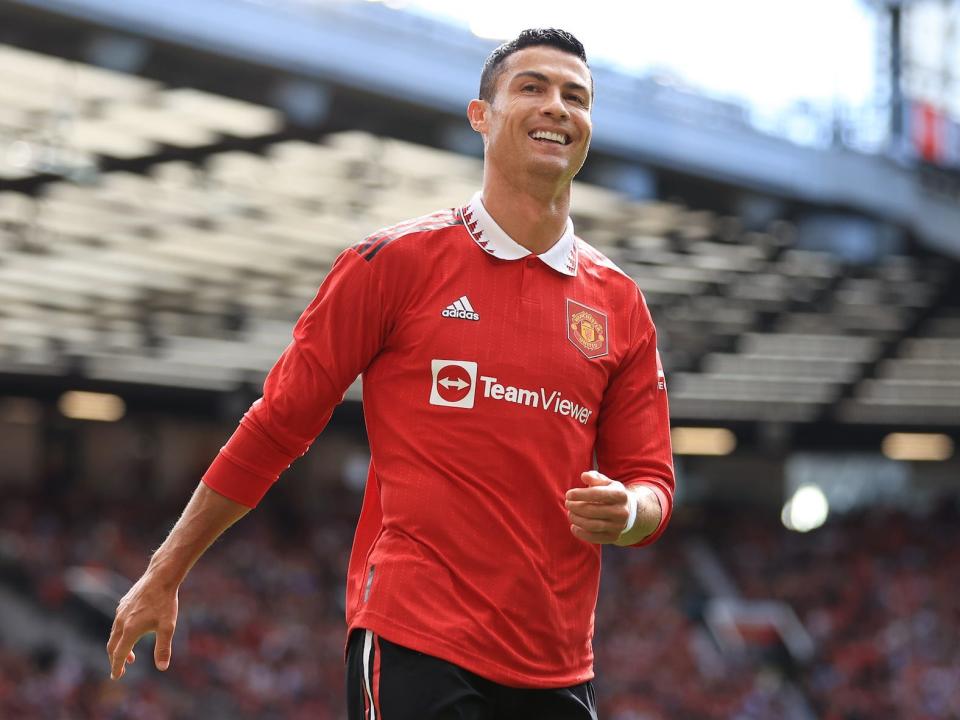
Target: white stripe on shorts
367, 677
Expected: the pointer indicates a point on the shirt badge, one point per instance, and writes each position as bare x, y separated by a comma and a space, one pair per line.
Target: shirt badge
587, 329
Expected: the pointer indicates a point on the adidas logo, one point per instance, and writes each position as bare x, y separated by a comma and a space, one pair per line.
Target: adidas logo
460, 309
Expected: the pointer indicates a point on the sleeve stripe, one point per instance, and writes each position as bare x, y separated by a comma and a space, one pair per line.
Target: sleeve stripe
369, 248
373, 247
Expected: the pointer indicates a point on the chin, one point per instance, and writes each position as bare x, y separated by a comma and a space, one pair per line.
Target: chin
554, 168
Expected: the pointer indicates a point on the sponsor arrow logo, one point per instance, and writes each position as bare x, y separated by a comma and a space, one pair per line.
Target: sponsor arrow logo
458, 383
454, 383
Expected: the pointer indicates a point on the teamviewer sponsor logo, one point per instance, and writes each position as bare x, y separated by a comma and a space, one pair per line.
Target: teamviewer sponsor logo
454, 383
549, 400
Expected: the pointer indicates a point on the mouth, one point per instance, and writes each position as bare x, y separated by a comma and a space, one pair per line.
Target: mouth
547, 136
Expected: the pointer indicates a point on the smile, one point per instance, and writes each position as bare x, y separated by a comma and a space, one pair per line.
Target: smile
547, 136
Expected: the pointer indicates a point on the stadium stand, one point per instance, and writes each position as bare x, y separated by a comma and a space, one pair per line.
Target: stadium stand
918, 383
137, 275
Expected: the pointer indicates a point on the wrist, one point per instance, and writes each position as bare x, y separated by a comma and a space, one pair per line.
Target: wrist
163, 572
633, 501
647, 518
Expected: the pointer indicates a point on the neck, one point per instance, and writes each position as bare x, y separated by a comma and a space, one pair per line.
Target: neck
533, 214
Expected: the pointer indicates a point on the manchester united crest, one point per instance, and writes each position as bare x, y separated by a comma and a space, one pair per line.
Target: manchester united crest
587, 329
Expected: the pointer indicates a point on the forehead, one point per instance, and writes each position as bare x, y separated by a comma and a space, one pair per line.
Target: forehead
559, 66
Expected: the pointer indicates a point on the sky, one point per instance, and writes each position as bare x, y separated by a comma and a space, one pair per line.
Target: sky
765, 53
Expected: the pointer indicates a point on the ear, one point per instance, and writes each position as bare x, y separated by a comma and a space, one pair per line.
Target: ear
477, 114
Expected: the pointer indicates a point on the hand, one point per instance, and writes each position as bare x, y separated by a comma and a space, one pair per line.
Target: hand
599, 512
149, 606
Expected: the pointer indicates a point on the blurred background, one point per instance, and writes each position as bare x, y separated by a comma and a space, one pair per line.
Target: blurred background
781, 178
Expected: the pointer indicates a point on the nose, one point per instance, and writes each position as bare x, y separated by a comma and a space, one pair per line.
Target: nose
553, 106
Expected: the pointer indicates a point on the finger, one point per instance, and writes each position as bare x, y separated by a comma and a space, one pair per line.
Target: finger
595, 538
594, 478
614, 513
121, 653
131, 658
116, 632
602, 495
162, 650
596, 526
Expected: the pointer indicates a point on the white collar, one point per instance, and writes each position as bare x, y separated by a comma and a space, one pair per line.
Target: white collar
562, 257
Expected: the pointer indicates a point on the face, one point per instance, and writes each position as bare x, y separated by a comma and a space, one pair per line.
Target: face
539, 119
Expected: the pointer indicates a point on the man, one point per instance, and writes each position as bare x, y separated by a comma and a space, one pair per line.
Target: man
502, 358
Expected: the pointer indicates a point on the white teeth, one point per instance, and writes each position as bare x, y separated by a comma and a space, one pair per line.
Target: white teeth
546, 135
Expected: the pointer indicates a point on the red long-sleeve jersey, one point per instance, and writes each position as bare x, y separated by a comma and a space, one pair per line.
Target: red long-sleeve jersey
491, 379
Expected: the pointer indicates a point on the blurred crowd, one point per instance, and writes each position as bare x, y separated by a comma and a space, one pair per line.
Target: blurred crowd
260, 633
878, 592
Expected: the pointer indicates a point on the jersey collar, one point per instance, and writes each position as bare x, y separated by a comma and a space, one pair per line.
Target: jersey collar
562, 257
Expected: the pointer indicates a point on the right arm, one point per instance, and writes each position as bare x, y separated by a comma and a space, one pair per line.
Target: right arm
333, 341
151, 604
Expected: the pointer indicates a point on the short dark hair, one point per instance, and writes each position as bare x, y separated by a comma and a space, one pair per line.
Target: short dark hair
493, 67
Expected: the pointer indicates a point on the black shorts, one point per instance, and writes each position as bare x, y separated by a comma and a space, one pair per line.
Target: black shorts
386, 681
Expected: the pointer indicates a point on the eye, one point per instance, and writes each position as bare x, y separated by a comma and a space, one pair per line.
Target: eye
529, 87
578, 99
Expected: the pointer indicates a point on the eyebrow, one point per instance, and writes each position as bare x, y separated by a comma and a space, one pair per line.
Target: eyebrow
543, 78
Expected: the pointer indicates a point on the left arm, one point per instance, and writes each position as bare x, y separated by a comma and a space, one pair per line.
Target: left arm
633, 450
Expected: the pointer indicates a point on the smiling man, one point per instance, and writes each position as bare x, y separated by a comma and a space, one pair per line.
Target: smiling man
517, 419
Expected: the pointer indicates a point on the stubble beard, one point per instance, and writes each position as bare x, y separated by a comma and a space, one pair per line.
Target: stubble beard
526, 164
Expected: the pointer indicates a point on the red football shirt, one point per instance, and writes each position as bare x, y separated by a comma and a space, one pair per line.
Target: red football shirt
491, 379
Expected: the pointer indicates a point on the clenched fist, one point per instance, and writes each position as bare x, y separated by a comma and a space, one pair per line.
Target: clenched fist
599, 512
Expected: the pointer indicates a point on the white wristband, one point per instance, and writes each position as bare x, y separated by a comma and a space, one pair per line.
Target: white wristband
632, 518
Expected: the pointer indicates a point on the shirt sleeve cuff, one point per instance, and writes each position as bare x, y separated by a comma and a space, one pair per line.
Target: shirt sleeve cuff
236, 482
666, 509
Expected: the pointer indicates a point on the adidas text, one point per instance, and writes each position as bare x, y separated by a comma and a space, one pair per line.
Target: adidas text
462, 314
460, 309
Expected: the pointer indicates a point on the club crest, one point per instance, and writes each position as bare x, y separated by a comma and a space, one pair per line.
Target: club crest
587, 329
